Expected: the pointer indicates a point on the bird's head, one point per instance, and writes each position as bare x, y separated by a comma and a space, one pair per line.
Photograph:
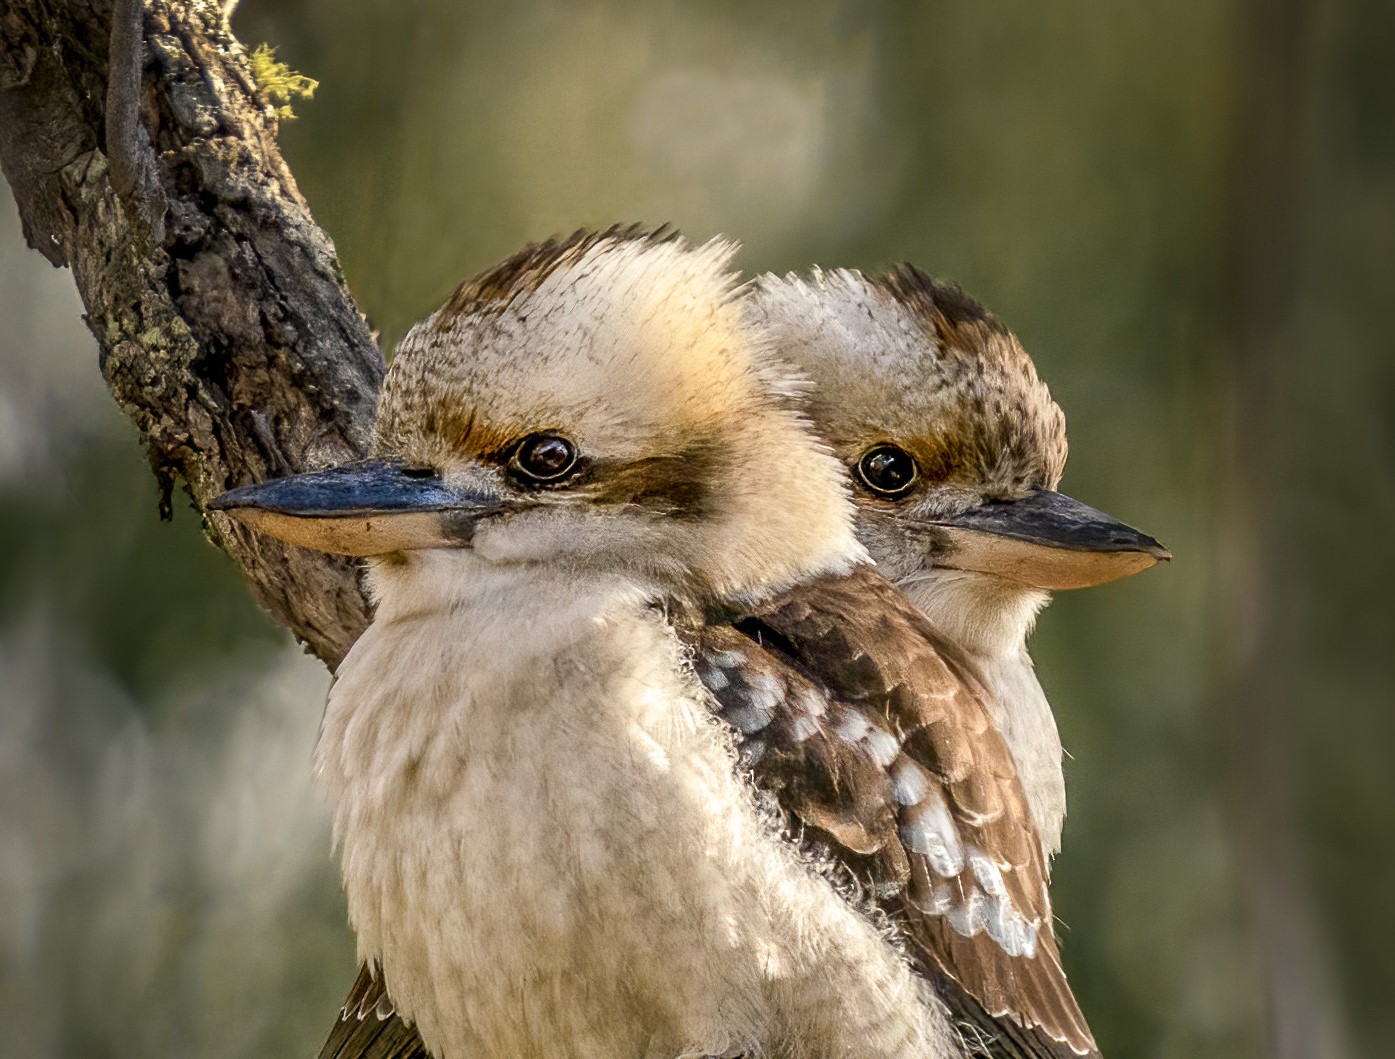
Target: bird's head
953, 444
597, 404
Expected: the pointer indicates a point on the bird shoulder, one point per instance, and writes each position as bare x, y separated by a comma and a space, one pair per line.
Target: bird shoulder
871, 731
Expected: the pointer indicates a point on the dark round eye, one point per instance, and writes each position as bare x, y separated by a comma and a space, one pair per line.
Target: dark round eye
887, 470
543, 458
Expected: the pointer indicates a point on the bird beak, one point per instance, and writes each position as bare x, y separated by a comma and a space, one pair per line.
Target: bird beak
1047, 540
371, 507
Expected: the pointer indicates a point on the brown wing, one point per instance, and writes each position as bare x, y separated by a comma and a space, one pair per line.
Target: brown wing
871, 731
369, 1026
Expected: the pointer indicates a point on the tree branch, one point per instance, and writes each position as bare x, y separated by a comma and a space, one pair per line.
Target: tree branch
141, 156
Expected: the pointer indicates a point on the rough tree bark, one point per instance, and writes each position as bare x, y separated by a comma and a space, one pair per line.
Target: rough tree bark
141, 156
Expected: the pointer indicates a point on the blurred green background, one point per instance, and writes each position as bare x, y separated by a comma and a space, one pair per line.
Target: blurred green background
1186, 211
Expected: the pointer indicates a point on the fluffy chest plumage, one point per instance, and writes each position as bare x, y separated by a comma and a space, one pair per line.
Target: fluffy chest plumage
547, 849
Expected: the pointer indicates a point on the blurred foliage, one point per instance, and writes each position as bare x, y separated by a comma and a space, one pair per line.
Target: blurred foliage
166, 886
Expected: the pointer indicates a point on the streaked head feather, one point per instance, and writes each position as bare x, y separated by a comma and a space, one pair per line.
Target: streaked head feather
698, 464
903, 358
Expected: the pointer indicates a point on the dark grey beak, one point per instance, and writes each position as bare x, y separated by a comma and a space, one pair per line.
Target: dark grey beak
371, 507
1048, 540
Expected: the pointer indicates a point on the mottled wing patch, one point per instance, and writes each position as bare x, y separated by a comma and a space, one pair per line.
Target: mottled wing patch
819, 756
871, 733
369, 1026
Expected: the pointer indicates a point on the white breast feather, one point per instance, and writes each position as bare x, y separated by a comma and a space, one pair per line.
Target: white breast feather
546, 846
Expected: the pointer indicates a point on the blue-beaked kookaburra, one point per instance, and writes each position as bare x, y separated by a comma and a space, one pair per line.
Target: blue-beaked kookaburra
640, 756
954, 447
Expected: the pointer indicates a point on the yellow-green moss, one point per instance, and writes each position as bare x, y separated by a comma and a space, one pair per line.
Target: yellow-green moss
279, 84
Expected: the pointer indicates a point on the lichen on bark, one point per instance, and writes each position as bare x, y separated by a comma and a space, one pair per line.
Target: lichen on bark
224, 328
281, 85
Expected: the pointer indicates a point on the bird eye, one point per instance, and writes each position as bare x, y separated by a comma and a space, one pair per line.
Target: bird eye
887, 470
543, 458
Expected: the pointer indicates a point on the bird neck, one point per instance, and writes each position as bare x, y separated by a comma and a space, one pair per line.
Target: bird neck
986, 616
443, 583
990, 619
459, 651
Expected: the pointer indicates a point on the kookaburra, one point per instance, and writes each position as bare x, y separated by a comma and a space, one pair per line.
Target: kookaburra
954, 447
640, 757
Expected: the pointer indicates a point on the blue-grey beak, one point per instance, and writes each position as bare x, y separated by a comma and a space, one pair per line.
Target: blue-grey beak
371, 507
1047, 540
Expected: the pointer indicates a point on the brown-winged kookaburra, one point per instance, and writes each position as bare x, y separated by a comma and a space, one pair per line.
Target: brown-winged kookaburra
639, 756
954, 447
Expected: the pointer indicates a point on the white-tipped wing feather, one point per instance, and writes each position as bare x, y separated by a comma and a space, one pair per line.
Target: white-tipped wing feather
879, 747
